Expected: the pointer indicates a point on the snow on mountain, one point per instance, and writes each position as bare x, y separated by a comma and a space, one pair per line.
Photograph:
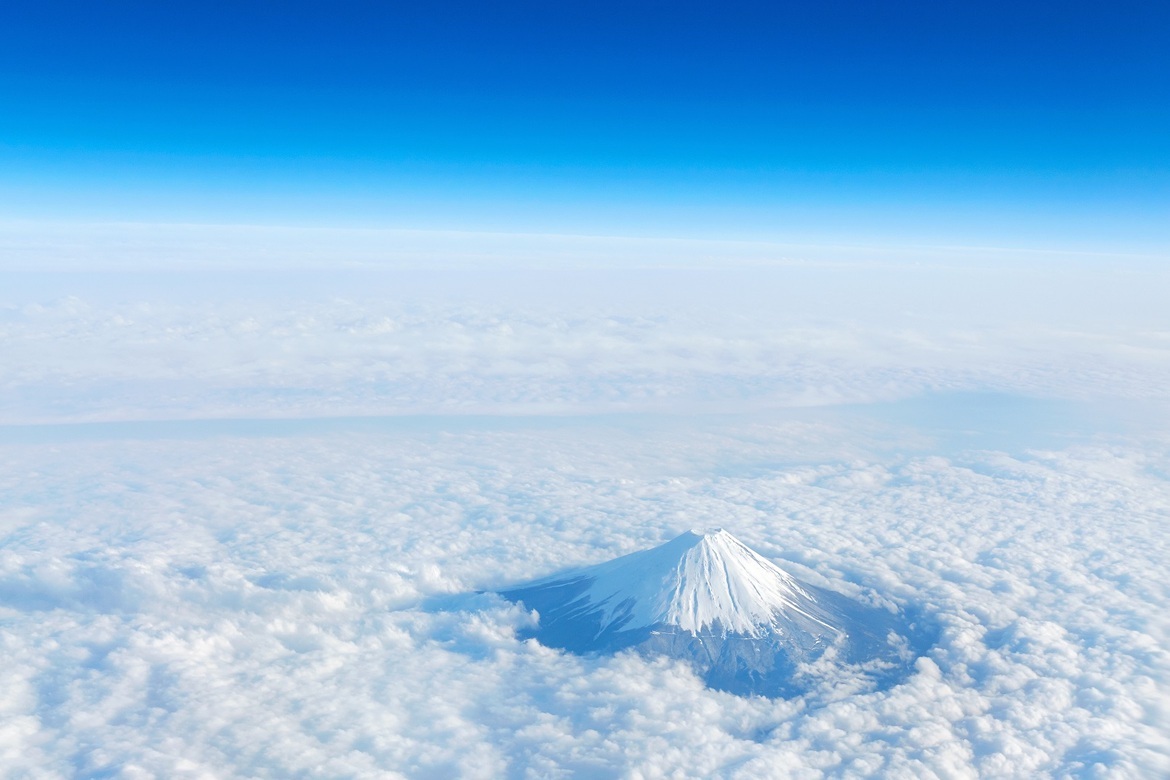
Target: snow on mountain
745, 624
697, 582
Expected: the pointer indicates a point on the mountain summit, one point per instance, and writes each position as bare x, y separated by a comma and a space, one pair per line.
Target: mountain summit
701, 582
744, 624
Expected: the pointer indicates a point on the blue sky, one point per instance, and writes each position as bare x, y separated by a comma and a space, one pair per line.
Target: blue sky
1036, 124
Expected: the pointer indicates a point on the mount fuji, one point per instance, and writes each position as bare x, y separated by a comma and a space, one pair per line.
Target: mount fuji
745, 625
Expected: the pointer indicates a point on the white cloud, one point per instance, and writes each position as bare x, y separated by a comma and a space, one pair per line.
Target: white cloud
250, 606
241, 598
559, 342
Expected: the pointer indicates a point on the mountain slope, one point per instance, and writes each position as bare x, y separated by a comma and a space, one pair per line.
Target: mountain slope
746, 625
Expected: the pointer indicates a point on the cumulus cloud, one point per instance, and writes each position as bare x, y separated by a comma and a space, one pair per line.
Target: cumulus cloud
271, 606
302, 597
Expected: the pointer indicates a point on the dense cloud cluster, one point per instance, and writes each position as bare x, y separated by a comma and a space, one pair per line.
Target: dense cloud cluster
269, 606
298, 597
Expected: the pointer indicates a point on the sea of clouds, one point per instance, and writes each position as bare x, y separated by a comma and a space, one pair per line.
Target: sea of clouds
246, 523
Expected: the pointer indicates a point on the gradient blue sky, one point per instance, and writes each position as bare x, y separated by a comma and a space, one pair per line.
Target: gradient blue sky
1029, 124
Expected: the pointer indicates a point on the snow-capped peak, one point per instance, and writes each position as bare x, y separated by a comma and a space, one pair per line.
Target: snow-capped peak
699, 582
741, 622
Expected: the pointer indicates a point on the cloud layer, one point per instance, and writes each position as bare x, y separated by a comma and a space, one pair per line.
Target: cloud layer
289, 589
267, 606
223, 345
